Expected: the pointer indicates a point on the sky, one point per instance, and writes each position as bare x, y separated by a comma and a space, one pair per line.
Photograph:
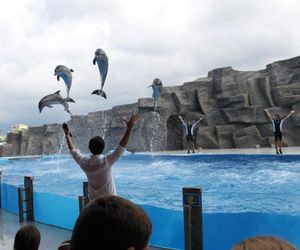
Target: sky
176, 41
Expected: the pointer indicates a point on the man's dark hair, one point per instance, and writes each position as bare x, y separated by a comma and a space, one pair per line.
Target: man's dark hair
27, 238
113, 223
96, 145
264, 242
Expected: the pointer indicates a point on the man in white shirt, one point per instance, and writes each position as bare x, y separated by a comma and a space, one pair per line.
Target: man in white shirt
97, 167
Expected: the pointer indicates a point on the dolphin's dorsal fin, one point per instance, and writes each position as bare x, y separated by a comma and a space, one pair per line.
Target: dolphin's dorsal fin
57, 92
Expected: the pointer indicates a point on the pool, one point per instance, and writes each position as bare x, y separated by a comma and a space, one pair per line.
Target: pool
262, 191
230, 183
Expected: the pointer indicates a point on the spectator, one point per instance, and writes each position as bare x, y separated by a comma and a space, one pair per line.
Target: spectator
112, 223
263, 243
64, 245
27, 238
98, 166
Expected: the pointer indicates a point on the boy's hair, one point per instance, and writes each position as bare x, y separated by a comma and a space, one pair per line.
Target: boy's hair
96, 145
277, 115
111, 223
27, 238
264, 242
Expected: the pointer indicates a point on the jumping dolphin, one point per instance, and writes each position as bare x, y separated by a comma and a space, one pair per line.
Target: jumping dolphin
156, 87
66, 74
54, 98
102, 61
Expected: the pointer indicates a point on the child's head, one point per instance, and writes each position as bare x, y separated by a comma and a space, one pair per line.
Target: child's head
277, 117
27, 238
112, 223
96, 145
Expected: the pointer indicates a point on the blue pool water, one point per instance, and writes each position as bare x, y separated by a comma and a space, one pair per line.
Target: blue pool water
243, 195
230, 183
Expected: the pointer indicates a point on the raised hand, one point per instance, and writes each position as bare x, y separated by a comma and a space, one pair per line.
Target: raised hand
131, 122
66, 129
200, 119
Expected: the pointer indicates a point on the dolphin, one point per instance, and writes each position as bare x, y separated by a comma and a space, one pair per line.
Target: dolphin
156, 87
55, 98
66, 74
102, 61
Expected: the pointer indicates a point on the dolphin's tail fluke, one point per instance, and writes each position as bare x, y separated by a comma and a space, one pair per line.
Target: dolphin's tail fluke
69, 100
99, 92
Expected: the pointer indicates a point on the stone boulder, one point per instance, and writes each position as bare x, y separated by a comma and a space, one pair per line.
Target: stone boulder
225, 135
53, 138
206, 137
249, 115
287, 95
239, 101
146, 104
13, 143
249, 137
8, 150
35, 141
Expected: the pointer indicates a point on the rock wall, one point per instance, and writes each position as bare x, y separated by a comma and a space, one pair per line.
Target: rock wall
232, 103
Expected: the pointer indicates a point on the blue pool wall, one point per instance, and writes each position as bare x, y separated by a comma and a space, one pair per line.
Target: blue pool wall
220, 230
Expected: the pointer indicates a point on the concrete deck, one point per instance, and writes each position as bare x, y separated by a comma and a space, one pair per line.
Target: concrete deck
51, 237
286, 150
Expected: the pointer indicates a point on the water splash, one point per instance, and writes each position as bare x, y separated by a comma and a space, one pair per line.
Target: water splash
154, 132
61, 145
104, 120
56, 159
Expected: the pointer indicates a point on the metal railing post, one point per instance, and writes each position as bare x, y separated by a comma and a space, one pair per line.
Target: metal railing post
20, 201
28, 189
83, 199
28, 185
192, 208
0, 189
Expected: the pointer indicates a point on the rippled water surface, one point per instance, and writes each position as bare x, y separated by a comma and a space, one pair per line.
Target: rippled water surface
230, 183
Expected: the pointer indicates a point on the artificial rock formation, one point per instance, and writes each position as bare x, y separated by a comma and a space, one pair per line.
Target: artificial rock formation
232, 103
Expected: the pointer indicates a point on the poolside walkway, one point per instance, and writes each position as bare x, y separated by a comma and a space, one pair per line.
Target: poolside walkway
286, 150
51, 236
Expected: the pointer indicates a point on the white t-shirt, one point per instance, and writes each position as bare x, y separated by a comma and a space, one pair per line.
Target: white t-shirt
98, 171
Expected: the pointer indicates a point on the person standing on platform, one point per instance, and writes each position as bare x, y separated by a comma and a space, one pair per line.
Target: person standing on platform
277, 123
190, 133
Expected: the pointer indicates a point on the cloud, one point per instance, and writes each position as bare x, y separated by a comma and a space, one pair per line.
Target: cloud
175, 40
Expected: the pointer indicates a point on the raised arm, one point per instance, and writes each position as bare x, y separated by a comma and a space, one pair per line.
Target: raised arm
68, 137
268, 114
289, 115
130, 124
181, 119
199, 120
